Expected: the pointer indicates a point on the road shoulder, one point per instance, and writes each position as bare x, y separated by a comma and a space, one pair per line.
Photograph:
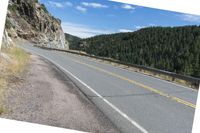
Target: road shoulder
46, 96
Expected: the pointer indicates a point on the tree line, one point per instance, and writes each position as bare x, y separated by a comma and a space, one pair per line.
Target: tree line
174, 49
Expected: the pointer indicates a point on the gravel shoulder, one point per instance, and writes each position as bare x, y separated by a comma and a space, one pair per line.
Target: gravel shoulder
44, 95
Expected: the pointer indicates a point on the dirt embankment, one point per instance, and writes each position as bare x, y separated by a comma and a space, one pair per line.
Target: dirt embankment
45, 95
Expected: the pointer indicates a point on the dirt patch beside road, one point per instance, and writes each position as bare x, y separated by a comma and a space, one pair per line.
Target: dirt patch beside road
46, 96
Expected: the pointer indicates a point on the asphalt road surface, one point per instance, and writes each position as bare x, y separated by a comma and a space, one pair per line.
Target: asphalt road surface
134, 102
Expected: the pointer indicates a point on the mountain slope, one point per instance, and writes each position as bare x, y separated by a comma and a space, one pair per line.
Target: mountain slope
72, 40
30, 20
175, 49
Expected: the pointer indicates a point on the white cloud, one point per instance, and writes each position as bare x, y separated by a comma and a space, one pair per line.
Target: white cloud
190, 18
56, 4
145, 26
82, 9
68, 3
82, 31
94, 5
59, 4
125, 30
128, 7
140, 27
152, 24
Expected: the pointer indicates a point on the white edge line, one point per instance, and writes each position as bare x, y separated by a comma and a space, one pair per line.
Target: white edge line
96, 93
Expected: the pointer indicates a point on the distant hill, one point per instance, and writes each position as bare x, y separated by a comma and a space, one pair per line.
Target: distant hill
72, 40
175, 49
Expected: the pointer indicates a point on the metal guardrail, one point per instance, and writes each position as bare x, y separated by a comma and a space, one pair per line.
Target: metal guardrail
194, 81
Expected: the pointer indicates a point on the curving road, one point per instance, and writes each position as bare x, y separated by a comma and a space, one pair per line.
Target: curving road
134, 102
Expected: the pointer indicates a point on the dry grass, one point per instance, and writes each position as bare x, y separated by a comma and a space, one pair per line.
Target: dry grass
19, 60
160, 76
11, 66
2, 89
165, 77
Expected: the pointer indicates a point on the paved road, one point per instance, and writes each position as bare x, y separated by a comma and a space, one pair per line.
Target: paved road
134, 102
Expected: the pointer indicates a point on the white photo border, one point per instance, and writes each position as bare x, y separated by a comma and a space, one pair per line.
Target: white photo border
183, 6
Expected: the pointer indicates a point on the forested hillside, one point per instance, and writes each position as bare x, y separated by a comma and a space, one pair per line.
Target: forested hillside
72, 40
175, 49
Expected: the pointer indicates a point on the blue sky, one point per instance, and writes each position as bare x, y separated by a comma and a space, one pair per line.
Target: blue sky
86, 18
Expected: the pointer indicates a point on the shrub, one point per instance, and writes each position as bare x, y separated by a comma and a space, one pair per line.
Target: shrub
12, 7
44, 8
8, 24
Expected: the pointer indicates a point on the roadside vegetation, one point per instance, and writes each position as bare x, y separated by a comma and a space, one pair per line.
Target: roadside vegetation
13, 62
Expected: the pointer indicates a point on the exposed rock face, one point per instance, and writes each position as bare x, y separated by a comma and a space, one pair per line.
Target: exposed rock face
30, 20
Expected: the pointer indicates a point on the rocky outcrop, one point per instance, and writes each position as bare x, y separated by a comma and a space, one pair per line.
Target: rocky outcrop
30, 20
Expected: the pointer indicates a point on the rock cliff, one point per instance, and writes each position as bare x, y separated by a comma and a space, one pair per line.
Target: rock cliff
30, 20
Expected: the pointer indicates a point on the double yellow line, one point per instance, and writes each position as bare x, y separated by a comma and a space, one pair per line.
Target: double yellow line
140, 84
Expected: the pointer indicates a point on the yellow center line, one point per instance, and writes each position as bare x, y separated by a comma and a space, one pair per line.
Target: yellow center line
141, 85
